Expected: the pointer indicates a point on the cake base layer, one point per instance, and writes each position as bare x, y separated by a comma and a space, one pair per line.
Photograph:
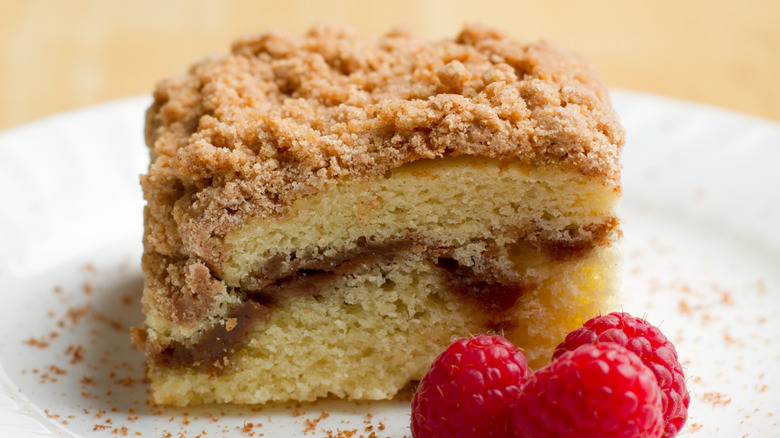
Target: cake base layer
368, 334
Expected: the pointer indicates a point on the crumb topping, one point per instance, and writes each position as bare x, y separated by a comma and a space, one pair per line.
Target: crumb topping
281, 116
190, 285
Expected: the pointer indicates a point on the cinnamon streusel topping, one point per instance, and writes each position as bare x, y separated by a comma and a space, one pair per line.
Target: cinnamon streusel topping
248, 133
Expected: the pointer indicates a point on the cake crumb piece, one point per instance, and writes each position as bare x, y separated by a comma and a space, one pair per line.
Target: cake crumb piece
693, 427
311, 425
51, 415
716, 398
76, 353
230, 324
341, 433
36, 342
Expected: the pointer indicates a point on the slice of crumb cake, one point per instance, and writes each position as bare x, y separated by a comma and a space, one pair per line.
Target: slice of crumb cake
326, 213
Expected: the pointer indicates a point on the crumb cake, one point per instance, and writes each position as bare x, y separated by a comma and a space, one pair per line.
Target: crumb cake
326, 212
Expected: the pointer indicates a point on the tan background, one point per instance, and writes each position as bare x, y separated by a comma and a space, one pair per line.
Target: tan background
59, 55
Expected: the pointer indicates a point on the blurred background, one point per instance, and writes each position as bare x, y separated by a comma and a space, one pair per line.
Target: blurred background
59, 55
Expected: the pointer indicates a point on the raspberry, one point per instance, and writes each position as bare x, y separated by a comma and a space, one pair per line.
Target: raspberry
600, 390
469, 389
647, 342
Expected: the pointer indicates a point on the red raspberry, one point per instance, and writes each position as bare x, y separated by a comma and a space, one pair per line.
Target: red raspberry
469, 389
600, 390
647, 342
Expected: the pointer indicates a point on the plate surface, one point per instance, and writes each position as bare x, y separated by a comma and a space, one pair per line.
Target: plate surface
701, 208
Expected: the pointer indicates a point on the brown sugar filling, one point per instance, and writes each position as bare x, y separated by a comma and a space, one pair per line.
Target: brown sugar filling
491, 292
212, 352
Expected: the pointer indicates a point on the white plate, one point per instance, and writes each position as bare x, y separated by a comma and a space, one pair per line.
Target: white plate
702, 211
